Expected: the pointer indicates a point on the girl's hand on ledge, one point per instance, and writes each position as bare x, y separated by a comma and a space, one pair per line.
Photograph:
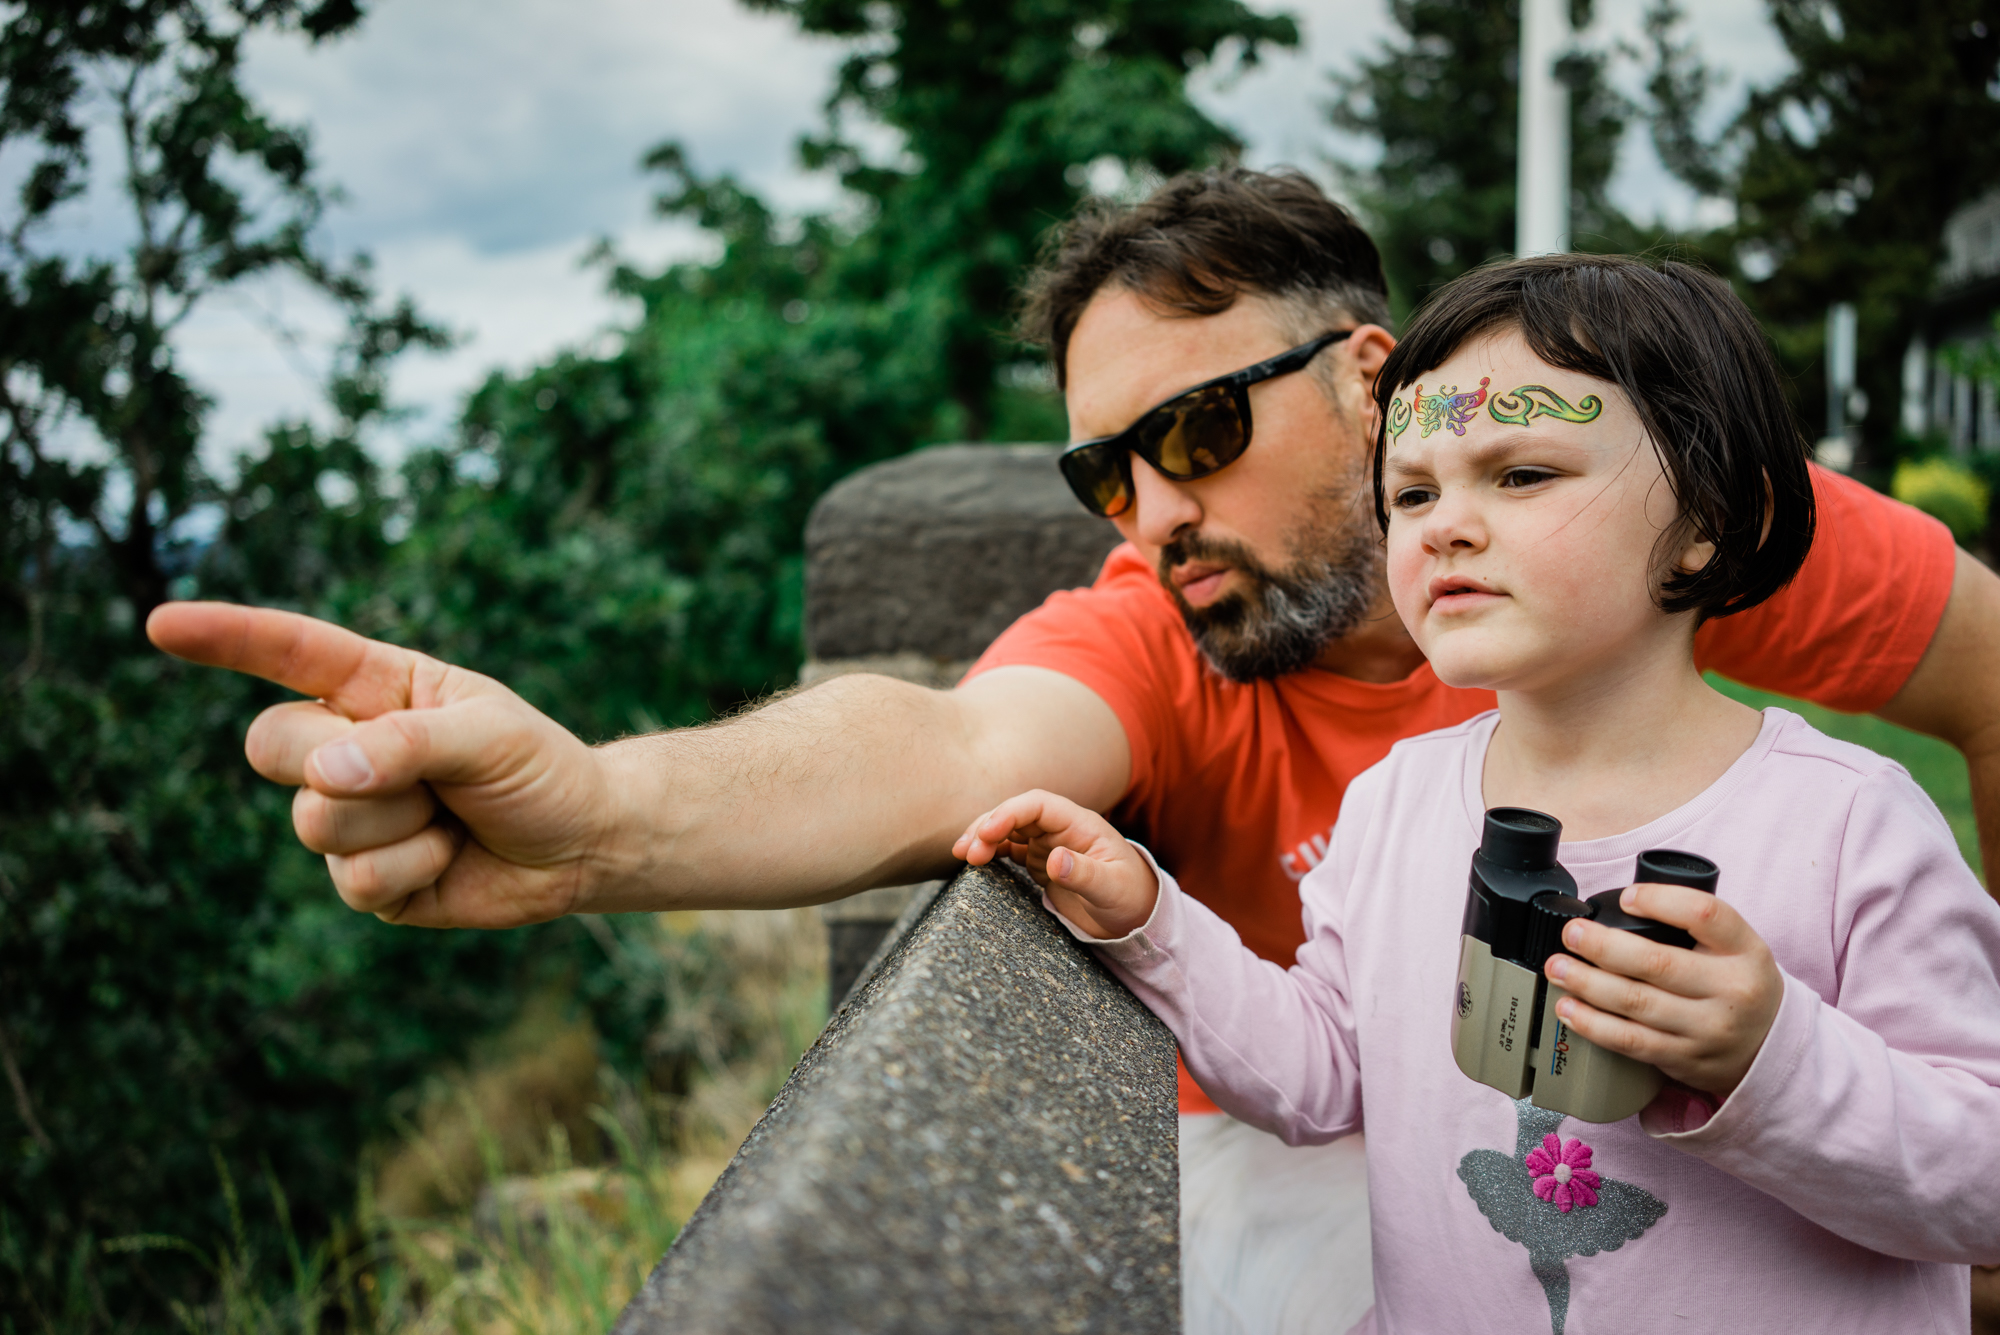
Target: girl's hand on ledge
1093, 876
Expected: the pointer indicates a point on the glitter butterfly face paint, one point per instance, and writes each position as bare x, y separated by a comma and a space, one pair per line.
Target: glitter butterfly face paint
1447, 410
1532, 401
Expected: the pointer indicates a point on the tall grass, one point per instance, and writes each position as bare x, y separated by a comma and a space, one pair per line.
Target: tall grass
523, 1239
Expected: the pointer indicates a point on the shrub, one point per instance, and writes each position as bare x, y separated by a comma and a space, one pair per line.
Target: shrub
1945, 490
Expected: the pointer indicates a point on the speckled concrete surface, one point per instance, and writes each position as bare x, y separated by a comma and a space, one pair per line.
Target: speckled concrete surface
983, 1139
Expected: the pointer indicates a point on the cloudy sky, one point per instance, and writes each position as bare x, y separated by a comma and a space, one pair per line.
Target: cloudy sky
484, 145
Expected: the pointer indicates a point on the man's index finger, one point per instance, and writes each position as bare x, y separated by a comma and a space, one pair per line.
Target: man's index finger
358, 676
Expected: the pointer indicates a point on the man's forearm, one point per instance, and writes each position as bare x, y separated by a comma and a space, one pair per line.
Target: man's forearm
859, 781
1954, 693
1984, 770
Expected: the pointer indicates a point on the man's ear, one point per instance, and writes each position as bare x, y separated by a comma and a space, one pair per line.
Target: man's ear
1366, 349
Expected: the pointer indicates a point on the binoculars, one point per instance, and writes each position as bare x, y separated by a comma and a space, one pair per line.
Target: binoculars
1504, 1029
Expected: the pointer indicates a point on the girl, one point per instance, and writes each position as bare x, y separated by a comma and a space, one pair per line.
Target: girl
1578, 460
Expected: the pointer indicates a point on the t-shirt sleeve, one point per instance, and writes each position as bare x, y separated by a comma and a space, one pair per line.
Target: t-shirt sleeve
1848, 630
1118, 637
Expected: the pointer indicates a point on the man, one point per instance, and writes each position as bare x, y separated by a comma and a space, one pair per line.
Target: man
1233, 668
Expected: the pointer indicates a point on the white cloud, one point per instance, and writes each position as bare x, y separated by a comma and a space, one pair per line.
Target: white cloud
484, 144
267, 344
516, 123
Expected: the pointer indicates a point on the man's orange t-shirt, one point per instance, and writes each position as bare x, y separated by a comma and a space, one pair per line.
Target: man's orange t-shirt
1235, 786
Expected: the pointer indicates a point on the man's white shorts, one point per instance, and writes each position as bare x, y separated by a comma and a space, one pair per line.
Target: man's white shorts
1274, 1238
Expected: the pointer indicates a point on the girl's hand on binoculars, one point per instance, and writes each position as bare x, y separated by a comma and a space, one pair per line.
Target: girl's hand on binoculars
1092, 875
1699, 1015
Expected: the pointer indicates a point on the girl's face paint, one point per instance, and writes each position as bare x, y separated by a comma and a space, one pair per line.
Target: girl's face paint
1522, 540
1532, 401
1446, 410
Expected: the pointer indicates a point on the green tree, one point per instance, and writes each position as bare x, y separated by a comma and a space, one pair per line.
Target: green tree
618, 535
86, 341
174, 978
996, 105
622, 534
1843, 173
1440, 97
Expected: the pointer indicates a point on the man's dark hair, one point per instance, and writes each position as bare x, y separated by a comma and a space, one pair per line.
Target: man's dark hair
1198, 243
1693, 362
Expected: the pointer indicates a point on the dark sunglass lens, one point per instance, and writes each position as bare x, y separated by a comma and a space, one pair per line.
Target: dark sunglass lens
1204, 432
1094, 475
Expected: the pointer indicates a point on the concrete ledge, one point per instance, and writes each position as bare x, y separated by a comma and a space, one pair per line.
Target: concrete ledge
983, 1139
861, 928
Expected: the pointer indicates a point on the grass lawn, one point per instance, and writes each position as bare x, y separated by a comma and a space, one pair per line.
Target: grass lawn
1935, 765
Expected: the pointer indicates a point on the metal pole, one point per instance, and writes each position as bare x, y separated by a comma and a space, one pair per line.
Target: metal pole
1541, 212
1836, 447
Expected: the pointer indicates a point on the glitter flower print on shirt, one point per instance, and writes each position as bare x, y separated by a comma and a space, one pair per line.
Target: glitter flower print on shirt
1562, 1173
1503, 1188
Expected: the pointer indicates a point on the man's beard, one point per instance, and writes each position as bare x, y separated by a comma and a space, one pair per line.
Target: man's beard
1287, 616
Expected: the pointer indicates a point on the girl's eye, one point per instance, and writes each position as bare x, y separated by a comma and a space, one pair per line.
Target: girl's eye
1518, 478
1409, 498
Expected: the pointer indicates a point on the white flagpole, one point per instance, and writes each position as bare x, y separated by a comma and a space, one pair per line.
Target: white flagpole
1541, 199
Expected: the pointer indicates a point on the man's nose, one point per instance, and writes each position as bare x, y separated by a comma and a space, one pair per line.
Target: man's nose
1161, 507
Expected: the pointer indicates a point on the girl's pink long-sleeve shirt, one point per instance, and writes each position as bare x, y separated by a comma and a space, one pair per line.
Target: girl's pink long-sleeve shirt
1844, 1186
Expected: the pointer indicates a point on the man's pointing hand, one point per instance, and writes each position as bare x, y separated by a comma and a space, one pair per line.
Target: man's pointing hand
389, 737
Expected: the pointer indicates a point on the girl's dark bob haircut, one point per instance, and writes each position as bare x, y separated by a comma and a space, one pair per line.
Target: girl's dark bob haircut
1690, 357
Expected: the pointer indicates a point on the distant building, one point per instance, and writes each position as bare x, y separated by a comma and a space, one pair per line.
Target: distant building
1936, 400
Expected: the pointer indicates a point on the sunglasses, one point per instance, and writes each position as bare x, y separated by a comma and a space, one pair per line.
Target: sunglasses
1195, 433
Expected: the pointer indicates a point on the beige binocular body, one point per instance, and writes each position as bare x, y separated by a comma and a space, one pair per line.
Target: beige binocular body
1504, 1029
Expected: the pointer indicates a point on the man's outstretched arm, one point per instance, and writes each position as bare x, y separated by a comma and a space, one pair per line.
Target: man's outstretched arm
443, 799
1954, 693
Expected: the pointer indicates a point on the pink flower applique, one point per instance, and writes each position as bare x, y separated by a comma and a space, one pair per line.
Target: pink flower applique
1563, 1176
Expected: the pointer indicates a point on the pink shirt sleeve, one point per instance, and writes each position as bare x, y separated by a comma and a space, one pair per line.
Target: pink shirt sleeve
1879, 1120
1274, 1047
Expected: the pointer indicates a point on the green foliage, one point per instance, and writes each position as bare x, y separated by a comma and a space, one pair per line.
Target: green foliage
1978, 360
617, 534
620, 535
1947, 492
174, 978
1441, 99
1843, 173
996, 105
85, 340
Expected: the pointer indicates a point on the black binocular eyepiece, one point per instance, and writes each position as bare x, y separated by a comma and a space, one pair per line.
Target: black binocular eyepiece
1520, 899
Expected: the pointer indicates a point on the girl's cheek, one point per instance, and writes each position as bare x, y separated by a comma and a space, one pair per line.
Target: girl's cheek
1409, 571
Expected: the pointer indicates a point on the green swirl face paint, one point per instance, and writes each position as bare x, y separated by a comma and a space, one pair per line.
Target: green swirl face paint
1399, 415
1532, 401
